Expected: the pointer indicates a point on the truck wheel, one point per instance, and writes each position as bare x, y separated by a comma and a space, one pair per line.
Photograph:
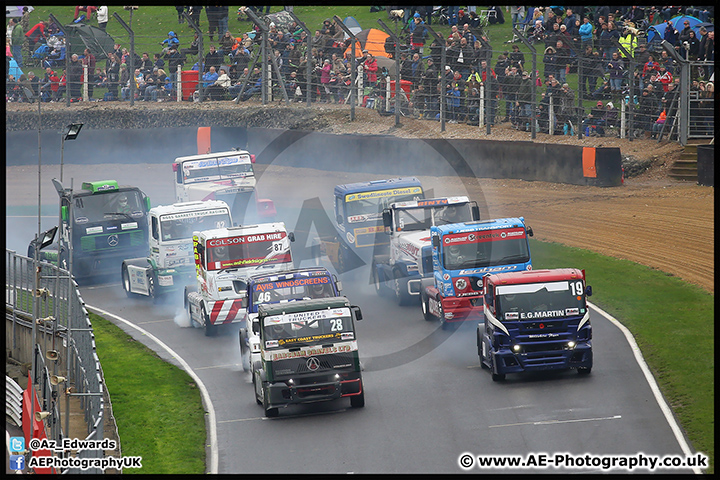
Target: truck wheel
210, 329
244, 351
401, 291
269, 412
358, 401
257, 389
424, 303
151, 288
380, 287
126, 282
497, 377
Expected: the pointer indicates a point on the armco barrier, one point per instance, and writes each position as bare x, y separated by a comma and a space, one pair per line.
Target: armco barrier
382, 154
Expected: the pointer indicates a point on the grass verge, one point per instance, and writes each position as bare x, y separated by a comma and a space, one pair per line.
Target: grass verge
157, 405
673, 324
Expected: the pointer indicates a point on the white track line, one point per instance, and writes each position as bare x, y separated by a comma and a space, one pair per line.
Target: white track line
667, 411
212, 424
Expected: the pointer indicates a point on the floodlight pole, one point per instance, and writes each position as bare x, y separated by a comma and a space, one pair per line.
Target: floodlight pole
397, 70
631, 71
70, 133
488, 99
353, 74
443, 56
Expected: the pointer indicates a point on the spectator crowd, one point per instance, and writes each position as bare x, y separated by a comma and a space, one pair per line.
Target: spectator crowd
590, 42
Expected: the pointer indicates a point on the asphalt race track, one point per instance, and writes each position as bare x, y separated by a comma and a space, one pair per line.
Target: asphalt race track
427, 400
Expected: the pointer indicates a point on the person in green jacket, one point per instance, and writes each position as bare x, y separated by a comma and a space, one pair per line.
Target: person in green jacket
16, 41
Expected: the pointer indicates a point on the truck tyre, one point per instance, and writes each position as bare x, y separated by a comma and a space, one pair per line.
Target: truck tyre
269, 412
152, 293
380, 288
401, 290
497, 377
424, 303
256, 388
244, 351
358, 401
126, 282
210, 329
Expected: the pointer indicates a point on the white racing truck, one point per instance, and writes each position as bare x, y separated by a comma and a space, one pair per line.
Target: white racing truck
171, 264
408, 225
224, 259
226, 176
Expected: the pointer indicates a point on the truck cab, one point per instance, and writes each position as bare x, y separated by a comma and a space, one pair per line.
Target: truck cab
407, 226
308, 353
224, 259
358, 218
227, 176
535, 320
103, 223
171, 263
462, 254
288, 286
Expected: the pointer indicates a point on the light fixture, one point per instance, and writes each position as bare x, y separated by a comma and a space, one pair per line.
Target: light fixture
40, 416
73, 130
52, 355
56, 379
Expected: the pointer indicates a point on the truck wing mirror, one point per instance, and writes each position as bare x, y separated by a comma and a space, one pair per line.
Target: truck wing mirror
530, 231
338, 285
436, 241
475, 212
256, 327
357, 312
588, 291
387, 220
339, 219
291, 236
65, 213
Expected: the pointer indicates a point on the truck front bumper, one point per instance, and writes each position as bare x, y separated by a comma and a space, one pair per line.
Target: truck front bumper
315, 389
507, 361
461, 309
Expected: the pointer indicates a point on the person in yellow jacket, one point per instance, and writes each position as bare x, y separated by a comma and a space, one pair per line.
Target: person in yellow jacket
629, 42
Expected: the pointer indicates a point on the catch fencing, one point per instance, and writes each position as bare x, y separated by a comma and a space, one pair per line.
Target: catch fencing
57, 351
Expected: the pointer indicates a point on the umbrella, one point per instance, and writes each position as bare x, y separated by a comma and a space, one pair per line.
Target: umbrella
372, 40
352, 25
80, 36
386, 62
281, 19
16, 11
677, 23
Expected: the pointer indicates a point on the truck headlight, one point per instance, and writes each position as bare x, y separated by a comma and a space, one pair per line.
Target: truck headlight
516, 348
461, 284
571, 345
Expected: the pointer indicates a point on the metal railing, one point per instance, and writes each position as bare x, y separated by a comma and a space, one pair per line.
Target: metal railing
72, 356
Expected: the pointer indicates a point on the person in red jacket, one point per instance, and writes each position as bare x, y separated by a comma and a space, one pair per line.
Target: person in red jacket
35, 34
371, 68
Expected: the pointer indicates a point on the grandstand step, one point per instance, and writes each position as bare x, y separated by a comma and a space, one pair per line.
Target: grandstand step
684, 176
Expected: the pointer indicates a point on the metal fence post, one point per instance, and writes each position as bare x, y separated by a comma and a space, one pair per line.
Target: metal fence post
133, 82
533, 78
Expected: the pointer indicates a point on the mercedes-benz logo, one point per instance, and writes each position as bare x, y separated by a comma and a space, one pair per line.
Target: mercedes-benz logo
313, 364
113, 240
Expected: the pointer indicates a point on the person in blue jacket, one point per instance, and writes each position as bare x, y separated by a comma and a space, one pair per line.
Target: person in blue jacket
586, 32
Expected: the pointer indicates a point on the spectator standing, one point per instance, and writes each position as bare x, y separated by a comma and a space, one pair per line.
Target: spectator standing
616, 67
194, 12
74, 77
17, 38
708, 54
671, 34
36, 34
214, 58
550, 62
370, 67
586, 32
524, 101
212, 12
516, 57
89, 9
227, 43
102, 17
112, 70
693, 46
588, 79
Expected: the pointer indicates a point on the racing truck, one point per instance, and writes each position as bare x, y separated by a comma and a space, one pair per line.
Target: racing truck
224, 259
407, 225
535, 320
308, 353
461, 254
289, 286
226, 176
358, 215
103, 223
171, 263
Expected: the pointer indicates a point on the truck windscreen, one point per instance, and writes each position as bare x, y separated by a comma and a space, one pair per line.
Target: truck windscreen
541, 300
216, 169
367, 206
422, 218
102, 207
248, 251
292, 289
485, 248
180, 226
308, 328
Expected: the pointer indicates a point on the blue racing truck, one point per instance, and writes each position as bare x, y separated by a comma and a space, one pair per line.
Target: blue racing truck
358, 211
288, 286
535, 320
462, 254
104, 223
